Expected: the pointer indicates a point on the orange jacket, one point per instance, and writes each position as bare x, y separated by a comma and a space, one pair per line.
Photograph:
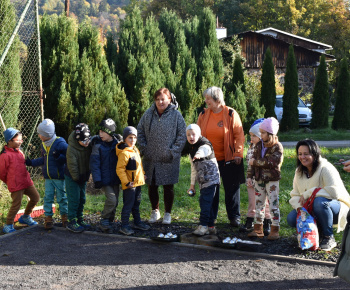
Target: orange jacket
234, 135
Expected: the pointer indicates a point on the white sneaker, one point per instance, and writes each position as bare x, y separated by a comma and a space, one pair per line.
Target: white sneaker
167, 219
201, 231
155, 215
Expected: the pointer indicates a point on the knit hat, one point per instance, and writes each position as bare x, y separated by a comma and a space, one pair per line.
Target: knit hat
108, 126
9, 133
46, 128
195, 128
270, 125
82, 132
129, 131
255, 127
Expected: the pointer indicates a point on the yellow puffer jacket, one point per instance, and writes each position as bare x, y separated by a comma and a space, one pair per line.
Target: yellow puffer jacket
129, 166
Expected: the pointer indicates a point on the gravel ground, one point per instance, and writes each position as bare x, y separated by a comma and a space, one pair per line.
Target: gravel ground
37, 259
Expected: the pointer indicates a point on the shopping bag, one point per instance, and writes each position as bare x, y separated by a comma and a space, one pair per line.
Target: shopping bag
308, 236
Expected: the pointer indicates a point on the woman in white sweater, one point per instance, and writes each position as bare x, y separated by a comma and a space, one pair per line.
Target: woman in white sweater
332, 202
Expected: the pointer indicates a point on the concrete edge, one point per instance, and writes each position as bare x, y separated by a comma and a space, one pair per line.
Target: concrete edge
208, 248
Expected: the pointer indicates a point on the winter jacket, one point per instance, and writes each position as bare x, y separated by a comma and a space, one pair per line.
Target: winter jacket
161, 140
267, 168
234, 135
13, 170
129, 167
327, 177
204, 170
103, 161
342, 268
53, 160
78, 158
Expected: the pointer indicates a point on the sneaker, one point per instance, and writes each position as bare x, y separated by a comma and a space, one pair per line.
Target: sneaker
126, 230
27, 220
141, 226
201, 231
105, 225
328, 243
167, 219
212, 230
84, 224
248, 226
74, 227
8, 229
235, 222
155, 216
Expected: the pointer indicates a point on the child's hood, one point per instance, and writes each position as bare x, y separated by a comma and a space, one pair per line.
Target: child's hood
122, 146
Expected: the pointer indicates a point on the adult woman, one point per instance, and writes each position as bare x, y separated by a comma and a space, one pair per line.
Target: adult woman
161, 138
222, 126
332, 202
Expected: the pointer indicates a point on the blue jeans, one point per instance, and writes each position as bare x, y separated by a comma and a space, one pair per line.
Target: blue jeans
52, 187
76, 198
209, 204
326, 213
131, 201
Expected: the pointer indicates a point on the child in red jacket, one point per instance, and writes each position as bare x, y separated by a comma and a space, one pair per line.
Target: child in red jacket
14, 173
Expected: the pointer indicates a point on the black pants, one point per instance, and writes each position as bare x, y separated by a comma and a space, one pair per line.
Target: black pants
131, 204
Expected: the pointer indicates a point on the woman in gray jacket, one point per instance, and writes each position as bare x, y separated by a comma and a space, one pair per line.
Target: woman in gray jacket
161, 138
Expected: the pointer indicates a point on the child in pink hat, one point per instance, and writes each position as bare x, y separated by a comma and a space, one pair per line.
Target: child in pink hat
265, 167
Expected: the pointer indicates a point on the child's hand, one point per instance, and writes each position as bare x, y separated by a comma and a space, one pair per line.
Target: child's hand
302, 200
251, 162
249, 182
346, 163
347, 168
191, 191
196, 157
131, 184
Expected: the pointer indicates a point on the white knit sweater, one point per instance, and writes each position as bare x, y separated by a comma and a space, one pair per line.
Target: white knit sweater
332, 187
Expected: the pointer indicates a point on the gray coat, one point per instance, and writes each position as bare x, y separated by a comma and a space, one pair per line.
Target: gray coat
161, 140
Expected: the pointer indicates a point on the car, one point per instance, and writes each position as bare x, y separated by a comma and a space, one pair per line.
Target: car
305, 114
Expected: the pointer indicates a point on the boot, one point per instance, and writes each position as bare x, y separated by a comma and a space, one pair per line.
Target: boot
257, 232
64, 220
48, 223
267, 227
274, 233
248, 226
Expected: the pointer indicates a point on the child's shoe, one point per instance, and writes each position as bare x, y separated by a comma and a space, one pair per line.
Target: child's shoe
258, 231
248, 226
105, 225
126, 230
274, 235
48, 223
27, 219
212, 230
84, 224
201, 231
8, 229
141, 226
74, 227
267, 227
64, 220
155, 216
167, 219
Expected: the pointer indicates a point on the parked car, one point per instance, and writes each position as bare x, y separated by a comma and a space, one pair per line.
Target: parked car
305, 114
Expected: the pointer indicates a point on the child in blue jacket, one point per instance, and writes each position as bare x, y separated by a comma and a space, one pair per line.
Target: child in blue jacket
103, 162
52, 162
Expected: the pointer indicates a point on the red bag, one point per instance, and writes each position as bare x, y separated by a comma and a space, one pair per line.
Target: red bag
308, 237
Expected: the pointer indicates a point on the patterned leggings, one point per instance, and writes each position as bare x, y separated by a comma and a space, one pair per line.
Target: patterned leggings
270, 190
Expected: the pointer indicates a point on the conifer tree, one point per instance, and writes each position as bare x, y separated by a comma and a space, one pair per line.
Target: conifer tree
268, 85
290, 118
237, 75
341, 118
240, 103
320, 98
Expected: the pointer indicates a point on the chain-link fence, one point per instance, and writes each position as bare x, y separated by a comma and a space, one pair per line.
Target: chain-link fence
20, 72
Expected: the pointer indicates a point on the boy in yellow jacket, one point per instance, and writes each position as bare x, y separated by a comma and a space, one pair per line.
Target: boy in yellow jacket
131, 175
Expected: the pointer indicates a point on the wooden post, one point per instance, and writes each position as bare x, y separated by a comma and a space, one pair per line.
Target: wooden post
66, 7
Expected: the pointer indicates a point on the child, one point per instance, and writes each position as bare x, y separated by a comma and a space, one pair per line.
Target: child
53, 162
266, 169
204, 170
103, 163
14, 173
248, 226
76, 175
130, 172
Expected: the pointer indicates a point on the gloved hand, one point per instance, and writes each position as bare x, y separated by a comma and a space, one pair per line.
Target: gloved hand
28, 162
98, 184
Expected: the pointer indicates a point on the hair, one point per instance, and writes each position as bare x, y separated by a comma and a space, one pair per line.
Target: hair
273, 139
216, 94
314, 151
162, 91
17, 134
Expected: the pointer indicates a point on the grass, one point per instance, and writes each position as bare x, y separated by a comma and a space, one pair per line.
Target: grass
186, 209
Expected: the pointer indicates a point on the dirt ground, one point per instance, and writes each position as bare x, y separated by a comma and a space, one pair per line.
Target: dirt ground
37, 259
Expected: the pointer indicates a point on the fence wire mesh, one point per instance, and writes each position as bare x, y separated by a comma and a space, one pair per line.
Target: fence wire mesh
20, 75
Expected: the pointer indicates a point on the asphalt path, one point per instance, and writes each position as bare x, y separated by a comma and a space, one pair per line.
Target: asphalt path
37, 259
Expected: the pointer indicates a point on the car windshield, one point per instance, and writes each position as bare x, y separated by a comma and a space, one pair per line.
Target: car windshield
279, 103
